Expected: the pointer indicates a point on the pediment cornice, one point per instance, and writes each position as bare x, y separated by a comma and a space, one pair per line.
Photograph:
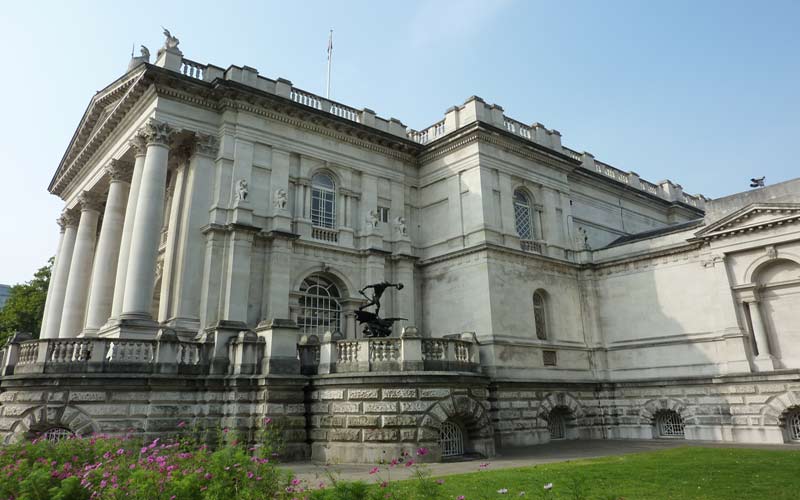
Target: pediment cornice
757, 217
105, 110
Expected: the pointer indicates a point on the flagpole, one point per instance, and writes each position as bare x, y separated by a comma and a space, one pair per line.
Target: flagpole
330, 56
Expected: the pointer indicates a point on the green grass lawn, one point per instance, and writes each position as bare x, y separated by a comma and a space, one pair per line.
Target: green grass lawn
678, 473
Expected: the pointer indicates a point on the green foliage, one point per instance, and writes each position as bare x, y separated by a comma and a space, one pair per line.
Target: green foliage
112, 468
25, 305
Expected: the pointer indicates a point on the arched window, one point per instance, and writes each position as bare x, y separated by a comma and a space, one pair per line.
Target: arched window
522, 215
451, 440
56, 434
793, 425
540, 314
556, 424
323, 201
320, 309
669, 424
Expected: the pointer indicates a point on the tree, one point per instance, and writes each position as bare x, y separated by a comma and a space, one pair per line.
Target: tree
24, 308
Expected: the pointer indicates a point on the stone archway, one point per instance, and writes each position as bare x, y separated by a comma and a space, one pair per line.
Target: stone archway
667, 417
566, 408
41, 418
465, 412
775, 408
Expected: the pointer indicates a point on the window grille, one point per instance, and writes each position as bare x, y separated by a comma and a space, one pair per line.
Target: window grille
522, 215
793, 424
323, 201
669, 424
320, 309
556, 425
539, 315
549, 358
56, 434
451, 440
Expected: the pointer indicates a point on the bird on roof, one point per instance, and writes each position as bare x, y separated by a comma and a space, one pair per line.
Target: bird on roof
757, 182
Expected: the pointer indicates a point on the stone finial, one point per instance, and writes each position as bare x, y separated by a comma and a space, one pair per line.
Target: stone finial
68, 218
171, 42
90, 201
119, 170
410, 332
156, 132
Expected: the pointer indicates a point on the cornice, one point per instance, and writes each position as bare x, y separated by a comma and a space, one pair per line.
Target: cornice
736, 223
90, 135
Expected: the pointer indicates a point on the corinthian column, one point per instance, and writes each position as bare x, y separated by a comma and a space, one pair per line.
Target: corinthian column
58, 280
140, 280
80, 268
139, 146
105, 261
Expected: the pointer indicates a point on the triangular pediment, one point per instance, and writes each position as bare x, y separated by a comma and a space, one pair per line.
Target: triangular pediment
101, 107
751, 218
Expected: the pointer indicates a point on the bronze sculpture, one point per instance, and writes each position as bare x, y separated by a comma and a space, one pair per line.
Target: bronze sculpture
374, 325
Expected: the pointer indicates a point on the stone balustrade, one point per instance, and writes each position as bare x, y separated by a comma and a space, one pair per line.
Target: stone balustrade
408, 353
474, 109
165, 355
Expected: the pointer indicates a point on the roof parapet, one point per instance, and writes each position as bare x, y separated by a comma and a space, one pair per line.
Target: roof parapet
474, 109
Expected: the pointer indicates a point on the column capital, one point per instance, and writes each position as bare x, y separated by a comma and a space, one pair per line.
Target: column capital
156, 132
139, 144
206, 144
119, 170
68, 218
90, 201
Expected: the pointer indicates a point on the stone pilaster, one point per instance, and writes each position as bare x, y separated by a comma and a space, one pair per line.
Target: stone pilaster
141, 273
54, 305
186, 269
80, 270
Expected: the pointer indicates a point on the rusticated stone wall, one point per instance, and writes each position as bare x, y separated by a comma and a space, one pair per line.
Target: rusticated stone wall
368, 418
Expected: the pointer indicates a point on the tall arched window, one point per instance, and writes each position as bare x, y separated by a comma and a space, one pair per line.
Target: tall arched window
320, 309
522, 215
323, 201
540, 314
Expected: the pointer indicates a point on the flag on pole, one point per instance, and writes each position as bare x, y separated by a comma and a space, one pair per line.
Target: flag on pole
330, 56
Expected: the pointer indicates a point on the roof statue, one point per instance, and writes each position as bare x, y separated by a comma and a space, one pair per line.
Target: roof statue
170, 42
144, 57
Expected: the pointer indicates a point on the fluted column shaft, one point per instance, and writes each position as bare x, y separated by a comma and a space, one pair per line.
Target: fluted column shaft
140, 280
105, 262
140, 148
80, 268
58, 279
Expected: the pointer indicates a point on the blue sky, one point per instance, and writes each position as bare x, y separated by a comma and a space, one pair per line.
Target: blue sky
701, 92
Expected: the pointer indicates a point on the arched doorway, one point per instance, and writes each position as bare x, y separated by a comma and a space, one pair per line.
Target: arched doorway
451, 440
557, 423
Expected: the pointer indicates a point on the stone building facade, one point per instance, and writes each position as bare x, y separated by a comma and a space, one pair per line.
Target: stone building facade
218, 226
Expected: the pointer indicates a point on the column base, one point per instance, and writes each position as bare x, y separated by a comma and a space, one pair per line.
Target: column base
88, 333
130, 326
764, 363
187, 329
219, 335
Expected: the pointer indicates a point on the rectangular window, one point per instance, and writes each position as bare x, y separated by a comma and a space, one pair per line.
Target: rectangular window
383, 214
549, 358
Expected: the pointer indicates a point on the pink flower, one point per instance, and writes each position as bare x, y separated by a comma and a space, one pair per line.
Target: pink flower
374, 470
295, 482
461, 497
181, 424
440, 481
409, 463
267, 421
120, 451
422, 451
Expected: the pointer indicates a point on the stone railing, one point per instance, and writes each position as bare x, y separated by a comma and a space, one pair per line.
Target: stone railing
165, 355
532, 246
429, 134
474, 109
407, 353
326, 235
